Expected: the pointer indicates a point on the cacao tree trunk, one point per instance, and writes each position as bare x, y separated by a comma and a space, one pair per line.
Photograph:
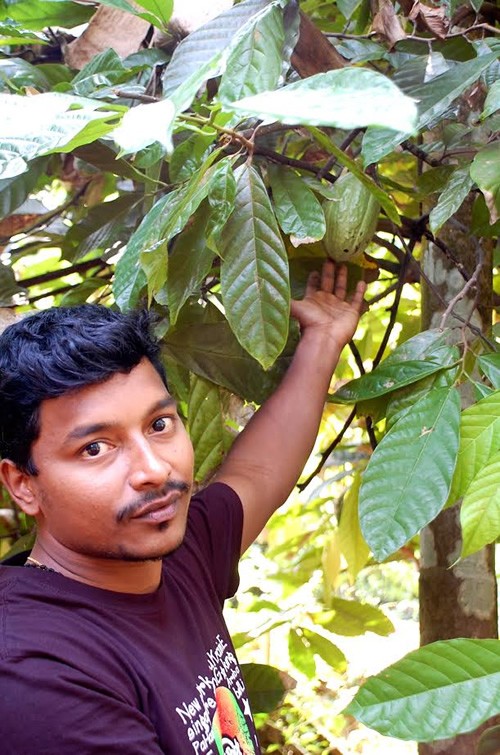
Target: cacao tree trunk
457, 598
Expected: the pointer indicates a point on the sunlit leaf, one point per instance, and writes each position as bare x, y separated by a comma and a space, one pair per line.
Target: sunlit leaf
326, 650
441, 690
347, 98
351, 541
254, 271
145, 124
408, 478
480, 509
351, 618
301, 653
44, 13
479, 440
60, 122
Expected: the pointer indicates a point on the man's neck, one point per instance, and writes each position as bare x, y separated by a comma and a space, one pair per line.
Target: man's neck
135, 577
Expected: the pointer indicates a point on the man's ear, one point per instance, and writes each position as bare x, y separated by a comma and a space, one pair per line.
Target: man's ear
20, 486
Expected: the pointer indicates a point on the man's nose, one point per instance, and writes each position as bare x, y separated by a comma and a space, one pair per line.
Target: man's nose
147, 467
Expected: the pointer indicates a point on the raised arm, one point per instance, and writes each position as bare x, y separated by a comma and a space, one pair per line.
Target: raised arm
268, 456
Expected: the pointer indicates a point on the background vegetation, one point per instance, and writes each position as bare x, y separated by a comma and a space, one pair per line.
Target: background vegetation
189, 159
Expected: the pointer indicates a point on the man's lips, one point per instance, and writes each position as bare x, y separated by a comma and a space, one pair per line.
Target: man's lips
160, 510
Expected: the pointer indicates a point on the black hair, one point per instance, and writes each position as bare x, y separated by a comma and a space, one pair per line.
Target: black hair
59, 350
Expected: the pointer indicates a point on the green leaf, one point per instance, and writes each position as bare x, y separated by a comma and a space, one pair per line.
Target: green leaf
451, 199
264, 685
62, 123
401, 492
189, 263
434, 99
326, 650
485, 171
351, 618
254, 63
207, 430
301, 653
385, 378
160, 11
199, 55
351, 541
492, 102
210, 349
189, 155
13, 33
105, 68
165, 219
347, 98
401, 402
480, 510
298, 211
254, 271
479, 440
221, 198
489, 364
13, 191
44, 13
441, 690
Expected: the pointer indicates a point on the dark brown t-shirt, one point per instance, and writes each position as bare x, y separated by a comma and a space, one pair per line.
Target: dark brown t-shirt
86, 671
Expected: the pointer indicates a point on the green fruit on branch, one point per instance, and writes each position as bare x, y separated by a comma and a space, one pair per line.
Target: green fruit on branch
351, 219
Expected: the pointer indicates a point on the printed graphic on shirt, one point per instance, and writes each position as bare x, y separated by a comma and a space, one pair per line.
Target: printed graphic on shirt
214, 717
229, 727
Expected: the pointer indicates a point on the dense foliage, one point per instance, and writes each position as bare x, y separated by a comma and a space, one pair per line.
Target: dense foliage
197, 178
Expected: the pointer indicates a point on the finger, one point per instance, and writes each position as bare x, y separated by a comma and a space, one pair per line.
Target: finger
313, 283
328, 276
357, 299
341, 282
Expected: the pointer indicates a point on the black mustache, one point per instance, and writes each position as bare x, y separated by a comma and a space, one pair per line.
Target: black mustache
133, 507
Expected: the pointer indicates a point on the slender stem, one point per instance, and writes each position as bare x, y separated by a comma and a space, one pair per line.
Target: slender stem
326, 453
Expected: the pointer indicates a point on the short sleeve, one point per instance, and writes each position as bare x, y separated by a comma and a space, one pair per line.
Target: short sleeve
215, 525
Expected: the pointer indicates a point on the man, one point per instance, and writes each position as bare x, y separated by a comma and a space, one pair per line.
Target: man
112, 636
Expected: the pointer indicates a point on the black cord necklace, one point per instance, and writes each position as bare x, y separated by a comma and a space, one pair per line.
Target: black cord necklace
32, 563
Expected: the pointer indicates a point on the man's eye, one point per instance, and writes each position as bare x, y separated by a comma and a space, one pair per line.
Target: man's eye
93, 449
162, 423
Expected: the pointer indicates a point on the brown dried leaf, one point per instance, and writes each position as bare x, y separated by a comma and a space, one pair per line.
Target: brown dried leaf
387, 25
433, 19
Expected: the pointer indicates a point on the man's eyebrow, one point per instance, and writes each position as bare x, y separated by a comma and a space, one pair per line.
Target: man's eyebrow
83, 431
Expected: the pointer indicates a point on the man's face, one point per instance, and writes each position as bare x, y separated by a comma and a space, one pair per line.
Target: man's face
115, 468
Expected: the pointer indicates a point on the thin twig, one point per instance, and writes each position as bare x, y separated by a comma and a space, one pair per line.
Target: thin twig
395, 306
80, 267
420, 153
293, 163
461, 294
326, 453
146, 98
357, 357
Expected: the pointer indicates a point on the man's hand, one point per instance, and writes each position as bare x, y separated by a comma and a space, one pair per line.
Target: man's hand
325, 309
